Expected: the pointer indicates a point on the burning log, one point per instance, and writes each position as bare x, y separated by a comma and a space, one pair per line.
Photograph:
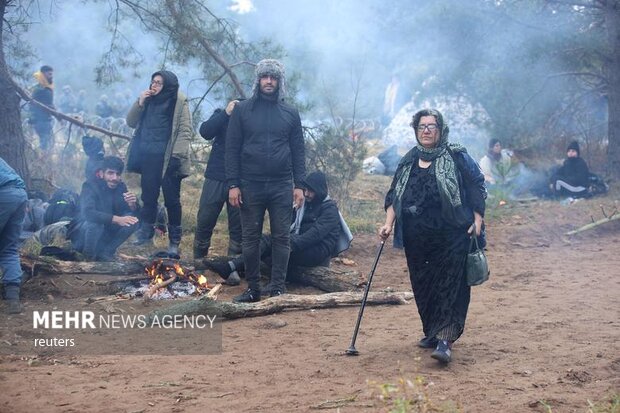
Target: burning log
163, 272
156, 286
229, 310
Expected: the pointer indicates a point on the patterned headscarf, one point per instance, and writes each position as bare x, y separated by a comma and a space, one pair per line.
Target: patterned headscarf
443, 165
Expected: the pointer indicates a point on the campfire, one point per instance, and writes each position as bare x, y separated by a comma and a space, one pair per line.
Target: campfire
163, 272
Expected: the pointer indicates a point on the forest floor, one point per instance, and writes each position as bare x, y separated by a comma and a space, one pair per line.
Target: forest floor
542, 335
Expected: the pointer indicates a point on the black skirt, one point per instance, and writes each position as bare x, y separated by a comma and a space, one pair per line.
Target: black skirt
436, 251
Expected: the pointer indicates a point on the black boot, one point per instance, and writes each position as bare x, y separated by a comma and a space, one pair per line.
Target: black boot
249, 296
144, 236
174, 236
11, 295
428, 342
223, 268
443, 352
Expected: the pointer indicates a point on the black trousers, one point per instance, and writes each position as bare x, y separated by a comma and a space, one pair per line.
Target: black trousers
276, 197
213, 197
314, 256
151, 181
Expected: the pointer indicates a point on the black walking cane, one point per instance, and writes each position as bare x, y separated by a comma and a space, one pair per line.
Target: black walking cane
351, 351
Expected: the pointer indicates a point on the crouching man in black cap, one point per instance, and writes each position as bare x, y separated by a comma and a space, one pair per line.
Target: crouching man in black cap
316, 233
107, 213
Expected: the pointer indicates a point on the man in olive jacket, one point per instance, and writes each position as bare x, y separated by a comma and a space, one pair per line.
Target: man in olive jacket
264, 170
159, 151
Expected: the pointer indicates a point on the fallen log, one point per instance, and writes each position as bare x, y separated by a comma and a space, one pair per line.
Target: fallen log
230, 310
324, 278
49, 265
327, 279
594, 224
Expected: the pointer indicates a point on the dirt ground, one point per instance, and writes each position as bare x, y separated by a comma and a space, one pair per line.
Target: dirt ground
542, 331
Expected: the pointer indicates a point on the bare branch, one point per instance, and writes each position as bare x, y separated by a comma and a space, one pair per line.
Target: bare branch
59, 115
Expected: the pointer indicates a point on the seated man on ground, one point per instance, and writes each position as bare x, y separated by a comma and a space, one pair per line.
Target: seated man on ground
573, 177
107, 213
315, 233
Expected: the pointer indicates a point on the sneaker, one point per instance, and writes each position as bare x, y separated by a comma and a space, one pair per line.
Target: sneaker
443, 353
233, 279
428, 342
220, 267
14, 307
276, 293
249, 296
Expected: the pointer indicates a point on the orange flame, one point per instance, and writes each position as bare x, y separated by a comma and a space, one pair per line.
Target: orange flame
159, 271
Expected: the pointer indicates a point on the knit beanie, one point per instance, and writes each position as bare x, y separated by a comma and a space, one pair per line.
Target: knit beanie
573, 145
273, 68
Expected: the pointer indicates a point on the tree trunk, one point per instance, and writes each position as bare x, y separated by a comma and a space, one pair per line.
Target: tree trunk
612, 24
229, 310
12, 141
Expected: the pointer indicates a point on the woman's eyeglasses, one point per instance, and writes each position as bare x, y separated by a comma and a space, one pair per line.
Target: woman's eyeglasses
157, 83
430, 127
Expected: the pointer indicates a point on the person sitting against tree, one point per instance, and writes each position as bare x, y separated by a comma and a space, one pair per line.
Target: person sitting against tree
315, 233
107, 213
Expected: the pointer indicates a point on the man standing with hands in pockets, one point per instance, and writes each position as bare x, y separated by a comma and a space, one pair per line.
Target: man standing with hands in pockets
265, 167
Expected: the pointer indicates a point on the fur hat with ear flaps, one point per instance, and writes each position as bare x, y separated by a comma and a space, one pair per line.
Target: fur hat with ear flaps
273, 68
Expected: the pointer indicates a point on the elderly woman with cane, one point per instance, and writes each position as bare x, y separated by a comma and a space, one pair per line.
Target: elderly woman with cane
436, 203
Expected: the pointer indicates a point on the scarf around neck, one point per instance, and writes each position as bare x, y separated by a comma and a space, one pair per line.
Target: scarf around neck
444, 169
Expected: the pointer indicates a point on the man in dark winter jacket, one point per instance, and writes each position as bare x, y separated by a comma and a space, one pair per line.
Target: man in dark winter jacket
107, 213
314, 232
215, 190
573, 178
13, 201
41, 120
264, 170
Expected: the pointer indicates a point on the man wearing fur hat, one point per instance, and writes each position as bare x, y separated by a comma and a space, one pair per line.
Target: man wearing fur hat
265, 169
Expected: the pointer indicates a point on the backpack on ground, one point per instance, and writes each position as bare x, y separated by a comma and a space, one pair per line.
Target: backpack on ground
63, 206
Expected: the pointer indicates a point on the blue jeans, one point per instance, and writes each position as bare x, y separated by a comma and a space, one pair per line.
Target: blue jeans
277, 198
12, 211
97, 241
